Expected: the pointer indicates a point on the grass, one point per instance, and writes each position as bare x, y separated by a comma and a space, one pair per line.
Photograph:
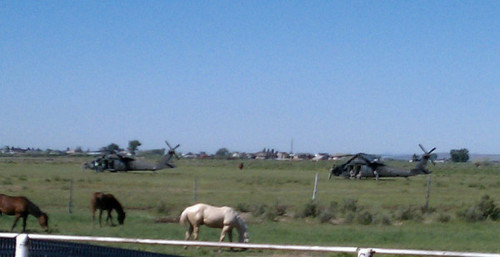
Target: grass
280, 187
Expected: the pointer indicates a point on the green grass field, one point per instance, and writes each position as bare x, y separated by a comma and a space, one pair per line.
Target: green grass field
275, 199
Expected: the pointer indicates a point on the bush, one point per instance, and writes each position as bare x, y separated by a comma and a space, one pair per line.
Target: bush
325, 215
310, 210
243, 207
409, 213
349, 218
272, 212
364, 218
349, 205
443, 218
382, 219
258, 209
280, 210
480, 211
471, 214
161, 207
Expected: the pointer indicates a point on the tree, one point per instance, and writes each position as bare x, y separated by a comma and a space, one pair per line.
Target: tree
222, 153
133, 146
461, 155
111, 147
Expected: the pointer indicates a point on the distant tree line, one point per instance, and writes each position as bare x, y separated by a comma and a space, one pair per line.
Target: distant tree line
459, 155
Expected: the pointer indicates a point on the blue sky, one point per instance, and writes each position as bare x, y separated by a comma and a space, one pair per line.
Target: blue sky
336, 76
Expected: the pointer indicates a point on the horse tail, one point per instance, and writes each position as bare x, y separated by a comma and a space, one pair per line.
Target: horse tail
183, 217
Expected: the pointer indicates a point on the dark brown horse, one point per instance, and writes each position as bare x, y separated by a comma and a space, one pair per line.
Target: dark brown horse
20, 206
106, 202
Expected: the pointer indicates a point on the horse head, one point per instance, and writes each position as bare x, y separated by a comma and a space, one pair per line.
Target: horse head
43, 219
121, 217
244, 237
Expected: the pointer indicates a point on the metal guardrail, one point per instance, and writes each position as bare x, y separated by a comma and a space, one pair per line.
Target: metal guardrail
23, 239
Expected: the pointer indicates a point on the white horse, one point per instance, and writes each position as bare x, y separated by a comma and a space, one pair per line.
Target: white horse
225, 218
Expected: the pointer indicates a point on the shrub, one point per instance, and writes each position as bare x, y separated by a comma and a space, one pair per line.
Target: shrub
280, 210
272, 212
243, 207
487, 206
443, 218
381, 219
310, 210
349, 217
408, 213
349, 205
325, 215
161, 207
480, 211
258, 209
471, 214
364, 218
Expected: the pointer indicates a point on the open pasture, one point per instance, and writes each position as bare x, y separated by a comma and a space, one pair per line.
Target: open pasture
275, 199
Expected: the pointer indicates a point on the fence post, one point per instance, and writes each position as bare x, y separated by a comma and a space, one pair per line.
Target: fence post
22, 242
70, 201
428, 195
365, 252
195, 190
315, 187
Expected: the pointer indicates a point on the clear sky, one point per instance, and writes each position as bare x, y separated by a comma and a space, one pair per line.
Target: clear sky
336, 76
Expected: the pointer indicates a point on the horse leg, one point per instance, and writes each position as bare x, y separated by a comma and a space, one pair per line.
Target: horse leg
225, 229
188, 234
100, 216
15, 222
230, 236
24, 222
110, 218
196, 232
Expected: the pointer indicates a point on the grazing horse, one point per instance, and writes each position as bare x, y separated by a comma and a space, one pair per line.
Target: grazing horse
225, 218
106, 202
21, 206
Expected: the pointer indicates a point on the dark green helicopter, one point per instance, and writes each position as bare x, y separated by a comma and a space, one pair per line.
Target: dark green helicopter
363, 165
115, 162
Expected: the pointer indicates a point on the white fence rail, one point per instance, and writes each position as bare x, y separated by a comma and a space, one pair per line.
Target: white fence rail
23, 239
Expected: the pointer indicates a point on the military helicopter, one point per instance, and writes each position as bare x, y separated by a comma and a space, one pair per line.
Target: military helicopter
114, 162
363, 165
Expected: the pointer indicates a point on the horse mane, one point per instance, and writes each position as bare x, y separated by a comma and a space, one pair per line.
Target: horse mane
242, 228
34, 209
117, 204
241, 222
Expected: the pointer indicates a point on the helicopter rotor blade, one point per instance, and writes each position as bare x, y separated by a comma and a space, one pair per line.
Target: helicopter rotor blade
421, 147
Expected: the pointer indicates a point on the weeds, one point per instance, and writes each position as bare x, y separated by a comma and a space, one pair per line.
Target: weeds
480, 211
409, 213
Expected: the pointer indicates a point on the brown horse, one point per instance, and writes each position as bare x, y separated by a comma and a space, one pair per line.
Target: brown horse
106, 202
20, 206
